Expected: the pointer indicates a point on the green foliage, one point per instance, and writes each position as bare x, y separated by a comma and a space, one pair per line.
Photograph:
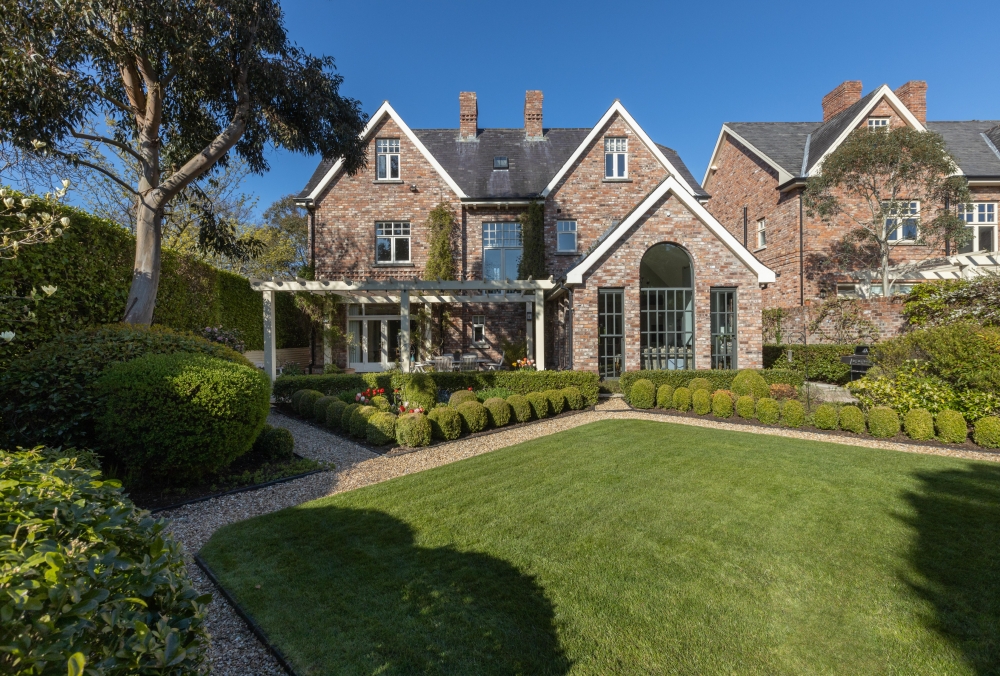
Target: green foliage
380, 402
381, 428
295, 399
851, 419
493, 393
821, 362
883, 422
521, 408
320, 408
720, 379
347, 416
700, 384
557, 402
746, 407
474, 416
533, 237
499, 411
175, 418
273, 444
446, 423
722, 404
793, 413
987, 432
665, 396
750, 382
951, 427
919, 424
768, 411
642, 394
573, 398
86, 572
359, 421
440, 256
943, 302
413, 430
910, 387
682, 399
701, 401
539, 404
335, 413
460, 397
307, 403
420, 391
826, 417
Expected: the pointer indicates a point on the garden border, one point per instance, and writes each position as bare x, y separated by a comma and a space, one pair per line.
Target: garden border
241, 489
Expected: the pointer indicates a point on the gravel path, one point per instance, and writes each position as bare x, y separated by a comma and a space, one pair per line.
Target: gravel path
235, 650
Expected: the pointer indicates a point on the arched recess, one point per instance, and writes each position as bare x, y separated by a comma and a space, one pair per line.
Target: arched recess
666, 308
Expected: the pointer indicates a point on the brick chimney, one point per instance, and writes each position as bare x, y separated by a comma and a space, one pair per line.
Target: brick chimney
844, 96
468, 116
533, 114
913, 94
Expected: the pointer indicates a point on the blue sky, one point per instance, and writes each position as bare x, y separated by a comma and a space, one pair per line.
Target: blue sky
681, 69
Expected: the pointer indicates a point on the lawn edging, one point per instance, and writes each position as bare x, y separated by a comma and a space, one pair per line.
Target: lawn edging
240, 489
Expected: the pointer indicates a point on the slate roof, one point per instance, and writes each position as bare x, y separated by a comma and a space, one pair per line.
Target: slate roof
969, 145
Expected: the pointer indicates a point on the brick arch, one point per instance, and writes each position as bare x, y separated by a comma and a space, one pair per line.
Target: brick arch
683, 249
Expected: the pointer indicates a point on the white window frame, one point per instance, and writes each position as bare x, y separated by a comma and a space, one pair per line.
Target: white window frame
387, 149
761, 233
502, 236
616, 148
897, 236
392, 231
981, 215
566, 228
479, 325
878, 123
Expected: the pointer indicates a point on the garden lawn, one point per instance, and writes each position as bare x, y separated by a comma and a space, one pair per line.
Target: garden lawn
637, 547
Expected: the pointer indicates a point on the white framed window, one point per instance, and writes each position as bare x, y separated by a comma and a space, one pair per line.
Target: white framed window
392, 242
981, 217
387, 159
761, 233
566, 236
878, 122
615, 157
478, 330
500, 162
502, 249
901, 223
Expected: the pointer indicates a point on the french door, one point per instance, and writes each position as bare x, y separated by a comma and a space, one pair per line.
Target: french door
373, 343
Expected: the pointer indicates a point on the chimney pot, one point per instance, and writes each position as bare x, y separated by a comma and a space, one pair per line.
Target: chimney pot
845, 95
913, 94
468, 116
533, 114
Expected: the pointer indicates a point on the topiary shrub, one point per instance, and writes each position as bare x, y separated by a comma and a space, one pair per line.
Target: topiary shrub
793, 413
359, 421
413, 430
701, 401
445, 422
574, 398
642, 394
883, 422
345, 417
381, 429
539, 404
986, 432
699, 384
474, 416
768, 411
781, 391
460, 397
319, 408
420, 391
295, 399
852, 419
557, 402
919, 424
746, 407
722, 404
335, 413
825, 417
176, 418
380, 402
521, 408
499, 411
493, 393
307, 402
682, 399
273, 444
665, 396
751, 383
77, 554
951, 427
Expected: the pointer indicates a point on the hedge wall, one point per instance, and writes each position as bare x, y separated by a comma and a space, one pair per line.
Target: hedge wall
518, 382
823, 361
721, 380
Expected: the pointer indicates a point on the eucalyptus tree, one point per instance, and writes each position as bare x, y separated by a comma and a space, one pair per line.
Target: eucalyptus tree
175, 86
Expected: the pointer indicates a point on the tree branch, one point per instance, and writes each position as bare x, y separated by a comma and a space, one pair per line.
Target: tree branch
110, 142
73, 159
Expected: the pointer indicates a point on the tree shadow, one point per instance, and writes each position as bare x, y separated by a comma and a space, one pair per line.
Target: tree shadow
957, 554
349, 591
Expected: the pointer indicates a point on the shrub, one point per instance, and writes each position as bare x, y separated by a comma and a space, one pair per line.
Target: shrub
768, 411
825, 417
821, 362
557, 402
701, 401
347, 415
793, 413
273, 444
521, 408
420, 391
539, 404
919, 424
752, 383
783, 391
665, 396
320, 407
460, 397
951, 427
335, 413
642, 394
474, 416
380, 402
883, 422
987, 432
722, 404
76, 555
499, 411
381, 429
721, 379
573, 398
746, 407
307, 403
682, 399
413, 430
445, 422
359, 421
493, 393
295, 399
347, 396
852, 419
179, 417
700, 384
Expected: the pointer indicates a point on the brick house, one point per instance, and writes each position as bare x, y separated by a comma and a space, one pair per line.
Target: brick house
758, 172
641, 274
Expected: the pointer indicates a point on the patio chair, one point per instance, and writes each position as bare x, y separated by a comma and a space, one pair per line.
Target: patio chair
469, 362
443, 364
496, 365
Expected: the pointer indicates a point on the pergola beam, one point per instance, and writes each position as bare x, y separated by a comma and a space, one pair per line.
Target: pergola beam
399, 285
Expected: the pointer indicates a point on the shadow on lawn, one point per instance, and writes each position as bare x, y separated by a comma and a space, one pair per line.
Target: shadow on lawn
957, 552
372, 601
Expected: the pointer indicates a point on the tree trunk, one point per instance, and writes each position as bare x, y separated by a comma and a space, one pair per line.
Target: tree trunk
146, 271
885, 272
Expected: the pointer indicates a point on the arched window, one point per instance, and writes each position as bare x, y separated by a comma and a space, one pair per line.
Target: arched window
666, 308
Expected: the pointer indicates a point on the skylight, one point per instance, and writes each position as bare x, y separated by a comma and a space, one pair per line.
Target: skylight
500, 162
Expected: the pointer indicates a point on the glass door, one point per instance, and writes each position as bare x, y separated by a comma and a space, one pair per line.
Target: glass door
373, 337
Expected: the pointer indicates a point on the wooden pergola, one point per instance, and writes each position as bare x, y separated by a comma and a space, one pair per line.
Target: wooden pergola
531, 292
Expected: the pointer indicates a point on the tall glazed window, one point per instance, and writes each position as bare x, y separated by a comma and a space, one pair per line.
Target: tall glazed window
501, 250
610, 332
666, 309
723, 312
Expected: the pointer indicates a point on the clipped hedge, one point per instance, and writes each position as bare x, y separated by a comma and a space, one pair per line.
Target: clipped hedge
557, 402
701, 401
918, 423
335, 414
719, 379
746, 407
642, 394
498, 410
987, 432
347, 416
420, 391
307, 403
474, 416
573, 398
883, 422
851, 419
665, 396
951, 427
446, 423
273, 444
682, 399
752, 383
359, 421
722, 404
520, 407
821, 362
539, 404
320, 408
413, 430
381, 428
793, 413
768, 411
826, 417
701, 383
460, 397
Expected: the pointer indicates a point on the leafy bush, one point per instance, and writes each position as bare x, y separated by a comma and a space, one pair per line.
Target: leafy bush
907, 390
359, 421
665, 396
86, 572
951, 427
826, 417
699, 384
557, 402
335, 413
499, 411
746, 407
460, 397
175, 418
413, 430
539, 404
573, 398
783, 391
521, 408
722, 404
682, 399
474, 416
768, 411
852, 419
821, 362
752, 383
273, 444
986, 432
446, 423
347, 416
918, 424
642, 394
380, 402
307, 403
381, 428
320, 408
493, 393
943, 302
793, 413
420, 391
721, 379
701, 401
296, 396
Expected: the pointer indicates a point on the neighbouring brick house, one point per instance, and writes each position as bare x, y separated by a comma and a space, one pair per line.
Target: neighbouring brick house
758, 172
642, 275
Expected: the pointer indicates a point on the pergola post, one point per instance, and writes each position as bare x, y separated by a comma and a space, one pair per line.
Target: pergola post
540, 330
404, 323
270, 340
327, 345
529, 330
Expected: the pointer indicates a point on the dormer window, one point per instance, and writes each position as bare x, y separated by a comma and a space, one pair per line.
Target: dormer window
615, 157
878, 123
387, 159
500, 163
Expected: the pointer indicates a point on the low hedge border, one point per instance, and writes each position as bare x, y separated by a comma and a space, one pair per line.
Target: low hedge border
719, 379
822, 361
